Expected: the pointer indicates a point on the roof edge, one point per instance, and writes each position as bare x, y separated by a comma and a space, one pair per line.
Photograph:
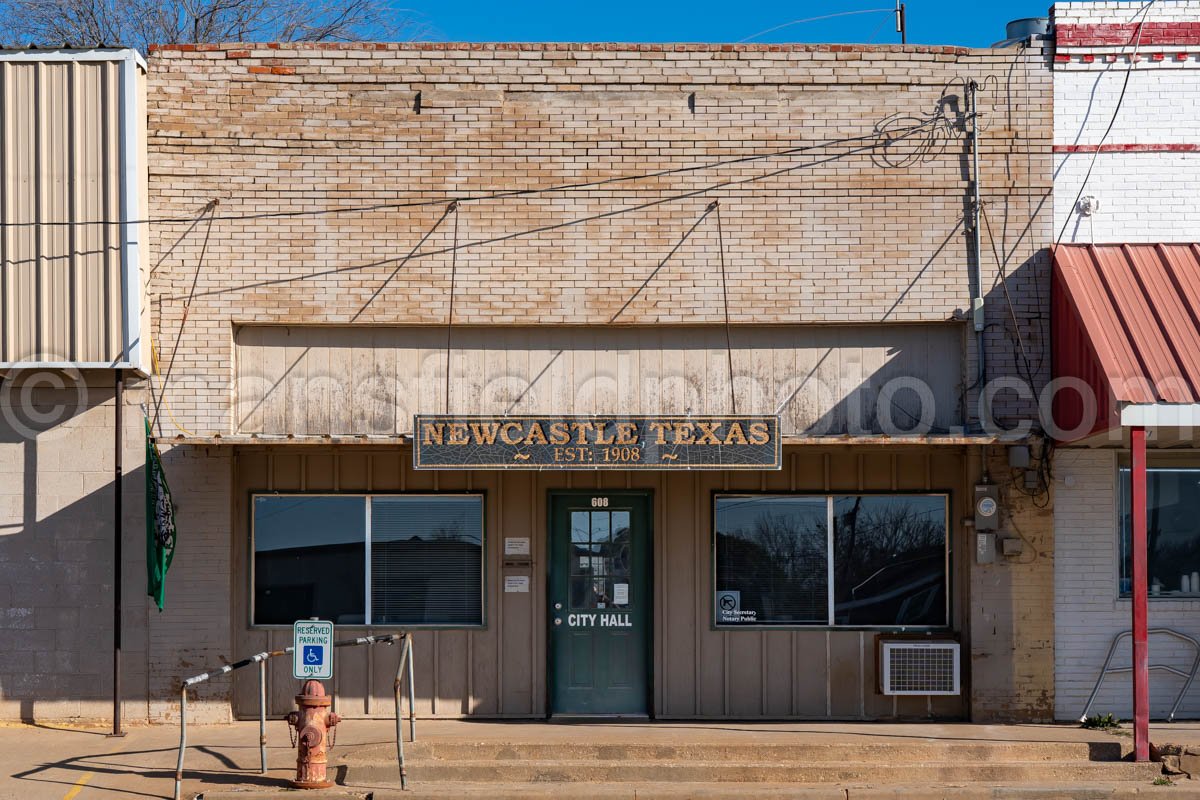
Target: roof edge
32, 54
638, 47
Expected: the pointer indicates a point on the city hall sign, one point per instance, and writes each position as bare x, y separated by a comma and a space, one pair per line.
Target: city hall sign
448, 441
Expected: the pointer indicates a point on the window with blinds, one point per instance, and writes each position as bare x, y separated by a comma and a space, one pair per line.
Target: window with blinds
772, 556
394, 560
427, 560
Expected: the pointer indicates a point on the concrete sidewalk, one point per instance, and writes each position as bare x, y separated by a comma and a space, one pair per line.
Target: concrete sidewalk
45, 761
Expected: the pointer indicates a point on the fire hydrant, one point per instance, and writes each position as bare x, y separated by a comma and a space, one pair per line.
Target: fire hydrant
313, 722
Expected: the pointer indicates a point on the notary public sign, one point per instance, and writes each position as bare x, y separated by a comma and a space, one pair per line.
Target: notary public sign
447, 441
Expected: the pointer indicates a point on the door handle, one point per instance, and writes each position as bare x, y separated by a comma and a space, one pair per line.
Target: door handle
558, 620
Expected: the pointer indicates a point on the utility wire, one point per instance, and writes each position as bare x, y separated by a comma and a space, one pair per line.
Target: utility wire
384, 284
450, 313
591, 217
1012, 312
162, 389
1144, 11
498, 195
716, 206
817, 19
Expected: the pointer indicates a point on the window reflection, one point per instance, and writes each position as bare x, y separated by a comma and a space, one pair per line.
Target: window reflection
889, 560
1172, 532
426, 559
771, 560
309, 553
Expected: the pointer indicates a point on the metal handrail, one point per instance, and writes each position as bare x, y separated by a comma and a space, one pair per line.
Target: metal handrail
406, 661
1188, 677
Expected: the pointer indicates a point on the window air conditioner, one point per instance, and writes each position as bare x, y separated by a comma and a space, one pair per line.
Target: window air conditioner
919, 667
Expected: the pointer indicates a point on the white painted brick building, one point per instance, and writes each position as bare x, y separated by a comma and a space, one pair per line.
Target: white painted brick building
1145, 179
1149, 170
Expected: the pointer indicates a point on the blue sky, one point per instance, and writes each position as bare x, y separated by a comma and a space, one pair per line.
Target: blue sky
972, 23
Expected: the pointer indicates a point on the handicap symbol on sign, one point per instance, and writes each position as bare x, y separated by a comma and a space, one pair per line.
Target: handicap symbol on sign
314, 654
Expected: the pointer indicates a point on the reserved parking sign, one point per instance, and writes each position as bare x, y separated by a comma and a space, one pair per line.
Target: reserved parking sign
312, 653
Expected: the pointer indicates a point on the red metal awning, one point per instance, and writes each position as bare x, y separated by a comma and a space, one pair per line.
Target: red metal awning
1126, 325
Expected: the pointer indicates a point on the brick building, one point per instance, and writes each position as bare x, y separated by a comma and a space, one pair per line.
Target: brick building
529, 231
1125, 77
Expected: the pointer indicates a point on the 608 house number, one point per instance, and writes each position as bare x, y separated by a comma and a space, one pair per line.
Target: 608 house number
599, 502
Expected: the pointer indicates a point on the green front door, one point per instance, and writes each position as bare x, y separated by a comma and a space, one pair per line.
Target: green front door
600, 602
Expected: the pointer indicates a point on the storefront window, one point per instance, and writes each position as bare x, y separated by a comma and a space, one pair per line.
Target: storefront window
771, 561
407, 560
308, 559
427, 560
889, 555
1172, 532
858, 560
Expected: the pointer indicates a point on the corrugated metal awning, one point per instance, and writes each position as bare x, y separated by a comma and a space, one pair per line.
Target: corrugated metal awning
1126, 323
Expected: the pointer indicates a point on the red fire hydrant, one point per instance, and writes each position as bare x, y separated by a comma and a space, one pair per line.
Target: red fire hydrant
313, 722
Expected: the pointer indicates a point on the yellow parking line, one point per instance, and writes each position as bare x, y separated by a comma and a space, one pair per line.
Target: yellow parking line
79, 784
77, 787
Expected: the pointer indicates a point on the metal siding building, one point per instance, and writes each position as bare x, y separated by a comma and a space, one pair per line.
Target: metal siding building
73, 167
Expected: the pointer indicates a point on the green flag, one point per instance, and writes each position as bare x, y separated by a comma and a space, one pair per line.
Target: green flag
160, 524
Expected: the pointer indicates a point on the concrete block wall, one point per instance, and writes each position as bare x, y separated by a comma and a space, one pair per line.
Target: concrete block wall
56, 549
1149, 166
56, 568
1088, 611
872, 236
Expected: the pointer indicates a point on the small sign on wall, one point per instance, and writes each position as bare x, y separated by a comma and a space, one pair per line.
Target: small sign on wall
516, 583
516, 546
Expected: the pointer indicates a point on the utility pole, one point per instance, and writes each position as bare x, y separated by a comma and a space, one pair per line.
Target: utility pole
902, 22
118, 530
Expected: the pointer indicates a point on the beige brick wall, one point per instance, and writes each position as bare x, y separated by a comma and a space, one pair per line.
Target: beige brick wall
866, 238
874, 236
859, 239
1011, 616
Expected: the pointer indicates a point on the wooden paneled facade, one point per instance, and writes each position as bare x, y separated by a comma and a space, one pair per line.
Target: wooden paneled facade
698, 671
299, 380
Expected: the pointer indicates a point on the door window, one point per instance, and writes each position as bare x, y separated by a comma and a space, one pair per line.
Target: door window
600, 560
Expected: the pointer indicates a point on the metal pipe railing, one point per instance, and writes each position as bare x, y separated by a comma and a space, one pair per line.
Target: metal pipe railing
404, 668
1188, 677
262, 717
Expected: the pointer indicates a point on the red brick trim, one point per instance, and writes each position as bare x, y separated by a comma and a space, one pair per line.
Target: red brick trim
1128, 148
1153, 33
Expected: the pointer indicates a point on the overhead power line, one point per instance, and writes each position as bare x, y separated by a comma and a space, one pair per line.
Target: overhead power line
817, 19
1144, 12
616, 212
879, 137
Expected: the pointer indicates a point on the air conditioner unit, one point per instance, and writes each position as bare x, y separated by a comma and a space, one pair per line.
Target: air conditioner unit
919, 667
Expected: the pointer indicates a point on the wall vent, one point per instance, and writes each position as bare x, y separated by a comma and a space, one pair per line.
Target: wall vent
920, 668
